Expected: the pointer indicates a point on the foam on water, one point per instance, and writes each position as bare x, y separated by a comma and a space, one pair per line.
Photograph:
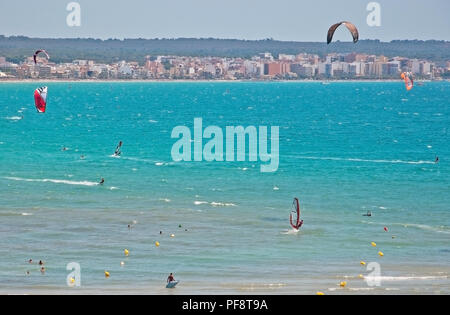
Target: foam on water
55, 181
363, 160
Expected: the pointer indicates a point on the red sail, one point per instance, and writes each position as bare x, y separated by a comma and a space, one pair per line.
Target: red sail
40, 99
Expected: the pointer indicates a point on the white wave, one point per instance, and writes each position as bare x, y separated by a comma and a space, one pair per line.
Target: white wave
290, 232
14, 118
437, 229
276, 188
214, 204
157, 163
55, 181
165, 199
361, 289
363, 160
403, 278
222, 204
425, 227
26, 214
152, 121
113, 188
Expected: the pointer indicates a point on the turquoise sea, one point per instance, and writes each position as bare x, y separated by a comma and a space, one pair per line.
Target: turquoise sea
345, 149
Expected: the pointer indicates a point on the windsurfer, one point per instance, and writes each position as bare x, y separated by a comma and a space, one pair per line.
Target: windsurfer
118, 151
298, 223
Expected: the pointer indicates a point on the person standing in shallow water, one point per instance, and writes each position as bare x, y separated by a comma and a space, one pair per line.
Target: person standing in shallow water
170, 278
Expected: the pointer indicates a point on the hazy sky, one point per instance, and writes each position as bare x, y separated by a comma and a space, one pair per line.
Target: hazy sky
297, 20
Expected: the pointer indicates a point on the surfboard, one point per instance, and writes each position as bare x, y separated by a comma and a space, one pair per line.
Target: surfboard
172, 284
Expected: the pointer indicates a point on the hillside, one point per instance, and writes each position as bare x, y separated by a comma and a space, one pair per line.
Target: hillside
16, 48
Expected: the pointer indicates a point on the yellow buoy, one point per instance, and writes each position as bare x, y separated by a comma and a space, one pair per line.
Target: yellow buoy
157, 244
126, 252
361, 277
72, 280
320, 293
373, 244
343, 284
172, 235
362, 263
381, 254
107, 274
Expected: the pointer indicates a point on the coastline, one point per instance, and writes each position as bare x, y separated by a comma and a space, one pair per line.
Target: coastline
209, 81
408, 279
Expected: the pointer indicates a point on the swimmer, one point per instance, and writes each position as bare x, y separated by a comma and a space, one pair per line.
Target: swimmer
368, 214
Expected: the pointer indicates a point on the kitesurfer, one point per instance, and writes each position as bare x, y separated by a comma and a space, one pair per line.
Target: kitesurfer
437, 159
102, 181
170, 278
368, 214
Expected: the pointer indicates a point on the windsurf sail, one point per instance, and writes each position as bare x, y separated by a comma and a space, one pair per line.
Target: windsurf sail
118, 151
294, 217
40, 99
409, 80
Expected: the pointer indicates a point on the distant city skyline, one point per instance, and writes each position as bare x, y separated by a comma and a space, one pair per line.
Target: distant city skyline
286, 20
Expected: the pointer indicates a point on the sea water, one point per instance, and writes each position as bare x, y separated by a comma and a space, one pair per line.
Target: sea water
345, 149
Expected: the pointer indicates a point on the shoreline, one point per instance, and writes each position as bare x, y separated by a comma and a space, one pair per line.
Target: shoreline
210, 81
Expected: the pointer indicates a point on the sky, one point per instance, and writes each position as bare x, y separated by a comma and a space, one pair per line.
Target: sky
287, 20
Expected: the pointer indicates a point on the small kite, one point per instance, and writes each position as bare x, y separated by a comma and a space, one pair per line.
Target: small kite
352, 28
37, 53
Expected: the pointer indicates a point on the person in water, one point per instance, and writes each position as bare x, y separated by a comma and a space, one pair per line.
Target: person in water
368, 214
102, 181
437, 159
170, 278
